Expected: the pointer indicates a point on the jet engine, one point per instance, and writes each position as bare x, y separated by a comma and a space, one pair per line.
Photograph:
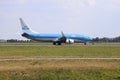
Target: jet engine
69, 41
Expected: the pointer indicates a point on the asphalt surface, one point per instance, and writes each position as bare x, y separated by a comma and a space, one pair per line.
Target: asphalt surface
50, 44
23, 59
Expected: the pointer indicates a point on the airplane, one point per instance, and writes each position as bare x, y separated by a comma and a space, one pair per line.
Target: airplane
56, 39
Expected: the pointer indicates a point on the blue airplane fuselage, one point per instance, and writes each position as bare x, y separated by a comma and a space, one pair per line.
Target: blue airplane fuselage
53, 37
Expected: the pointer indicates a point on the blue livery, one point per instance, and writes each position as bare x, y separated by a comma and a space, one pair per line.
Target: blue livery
55, 38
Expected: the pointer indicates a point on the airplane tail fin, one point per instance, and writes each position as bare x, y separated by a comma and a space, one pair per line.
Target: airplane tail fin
25, 27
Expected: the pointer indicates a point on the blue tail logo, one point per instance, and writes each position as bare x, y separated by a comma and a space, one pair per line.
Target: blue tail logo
25, 28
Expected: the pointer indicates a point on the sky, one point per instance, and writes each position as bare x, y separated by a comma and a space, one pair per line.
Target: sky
94, 18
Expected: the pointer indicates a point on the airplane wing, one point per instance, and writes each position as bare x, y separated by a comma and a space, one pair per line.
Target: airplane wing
63, 39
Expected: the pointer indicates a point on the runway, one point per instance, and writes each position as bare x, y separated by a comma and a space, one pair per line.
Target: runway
28, 59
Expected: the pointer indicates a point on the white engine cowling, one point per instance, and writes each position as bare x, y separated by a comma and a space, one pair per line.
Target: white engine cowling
69, 41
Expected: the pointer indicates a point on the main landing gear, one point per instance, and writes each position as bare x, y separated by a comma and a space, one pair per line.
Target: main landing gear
56, 43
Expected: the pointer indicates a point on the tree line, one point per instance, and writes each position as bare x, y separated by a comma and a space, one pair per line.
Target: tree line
105, 39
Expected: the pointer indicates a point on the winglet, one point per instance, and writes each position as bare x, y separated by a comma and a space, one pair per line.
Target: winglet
62, 34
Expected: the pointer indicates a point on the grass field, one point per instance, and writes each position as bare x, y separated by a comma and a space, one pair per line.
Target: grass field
60, 69
59, 51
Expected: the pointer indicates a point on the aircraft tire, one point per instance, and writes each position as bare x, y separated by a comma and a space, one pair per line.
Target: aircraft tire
54, 43
59, 43
85, 43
